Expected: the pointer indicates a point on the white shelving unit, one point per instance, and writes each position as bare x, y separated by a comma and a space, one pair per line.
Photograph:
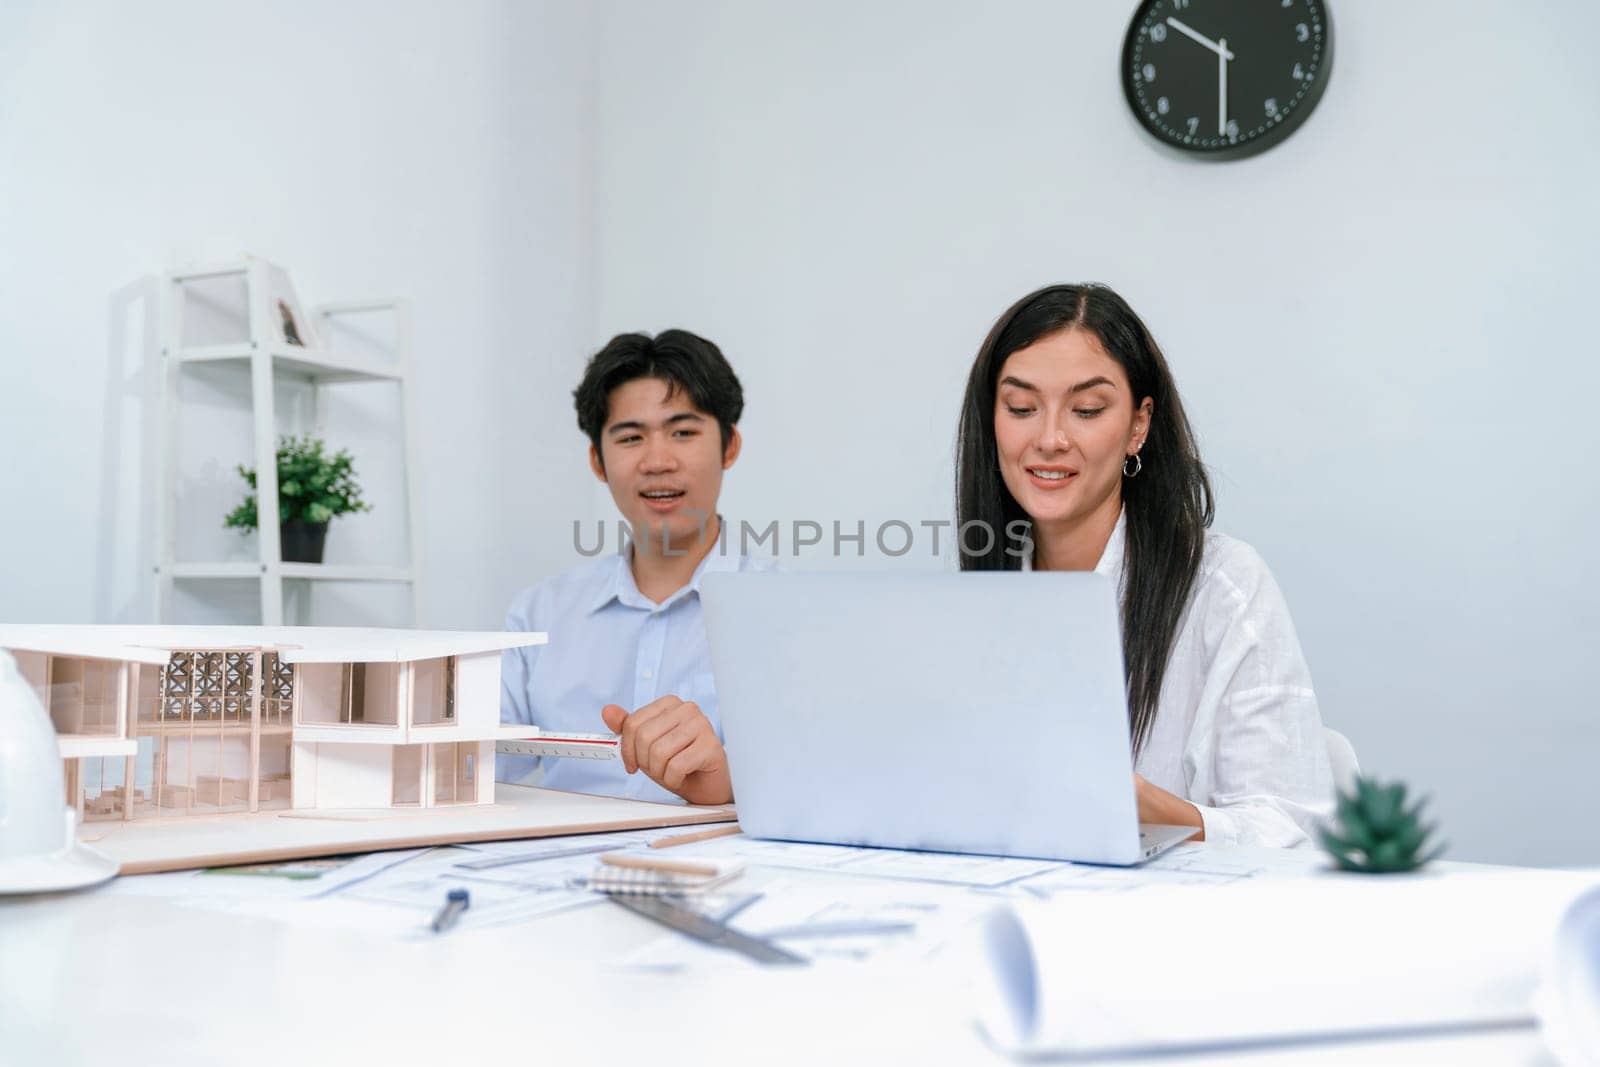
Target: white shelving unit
268, 358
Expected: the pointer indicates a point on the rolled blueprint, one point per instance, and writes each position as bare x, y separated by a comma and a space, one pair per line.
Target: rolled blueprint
1569, 1002
1195, 967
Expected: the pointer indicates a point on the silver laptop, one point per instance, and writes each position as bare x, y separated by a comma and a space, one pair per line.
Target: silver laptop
981, 713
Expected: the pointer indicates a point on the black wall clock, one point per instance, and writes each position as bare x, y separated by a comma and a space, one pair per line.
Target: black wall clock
1224, 79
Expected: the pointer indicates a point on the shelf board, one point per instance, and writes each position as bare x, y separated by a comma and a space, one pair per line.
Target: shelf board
341, 572
211, 270
318, 365
234, 569
325, 572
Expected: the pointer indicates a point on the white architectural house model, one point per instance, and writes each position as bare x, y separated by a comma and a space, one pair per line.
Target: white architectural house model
161, 721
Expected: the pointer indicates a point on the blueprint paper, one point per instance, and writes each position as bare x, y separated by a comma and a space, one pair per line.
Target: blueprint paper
1569, 1002
1277, 959
949, 868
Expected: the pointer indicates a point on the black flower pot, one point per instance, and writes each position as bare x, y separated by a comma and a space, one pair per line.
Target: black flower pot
300, 541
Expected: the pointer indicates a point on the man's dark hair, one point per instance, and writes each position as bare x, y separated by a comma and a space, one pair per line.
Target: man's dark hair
677, 357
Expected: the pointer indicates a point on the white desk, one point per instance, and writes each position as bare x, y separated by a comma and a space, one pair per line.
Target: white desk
107, 979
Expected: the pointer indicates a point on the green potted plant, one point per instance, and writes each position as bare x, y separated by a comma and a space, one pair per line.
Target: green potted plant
313, 487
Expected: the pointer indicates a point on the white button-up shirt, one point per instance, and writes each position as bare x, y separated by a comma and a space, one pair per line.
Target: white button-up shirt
1237, 732
609, 644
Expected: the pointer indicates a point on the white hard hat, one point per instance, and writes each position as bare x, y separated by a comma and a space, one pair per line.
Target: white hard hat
39, 849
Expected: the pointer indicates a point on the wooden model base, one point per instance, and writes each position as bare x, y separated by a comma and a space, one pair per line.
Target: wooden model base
145, 846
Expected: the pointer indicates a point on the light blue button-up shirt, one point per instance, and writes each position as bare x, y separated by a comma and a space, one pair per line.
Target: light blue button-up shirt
609, 644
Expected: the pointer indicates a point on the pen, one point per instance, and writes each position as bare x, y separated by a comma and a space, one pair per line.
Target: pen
687, 839
455, 902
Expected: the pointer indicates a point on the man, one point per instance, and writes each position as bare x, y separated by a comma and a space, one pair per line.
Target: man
626, 630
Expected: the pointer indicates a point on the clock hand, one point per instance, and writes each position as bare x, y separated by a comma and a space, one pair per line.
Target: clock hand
1219, 47
1223, 55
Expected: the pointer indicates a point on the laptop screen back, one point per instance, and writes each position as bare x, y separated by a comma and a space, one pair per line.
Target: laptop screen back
980, 713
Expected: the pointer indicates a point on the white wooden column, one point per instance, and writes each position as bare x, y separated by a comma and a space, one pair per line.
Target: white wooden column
266, 448
408, 428
167, 446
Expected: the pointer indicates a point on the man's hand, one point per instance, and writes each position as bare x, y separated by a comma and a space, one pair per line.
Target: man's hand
672, 742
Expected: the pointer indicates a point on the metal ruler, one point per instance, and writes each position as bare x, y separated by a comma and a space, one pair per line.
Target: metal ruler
672, 913
572, 746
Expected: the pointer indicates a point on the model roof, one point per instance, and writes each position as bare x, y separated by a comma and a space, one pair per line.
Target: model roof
293, 644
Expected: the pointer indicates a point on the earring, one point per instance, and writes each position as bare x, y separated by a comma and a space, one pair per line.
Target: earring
1138, 465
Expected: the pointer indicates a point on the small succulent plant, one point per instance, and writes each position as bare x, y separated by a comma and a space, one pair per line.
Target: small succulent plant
1376, 833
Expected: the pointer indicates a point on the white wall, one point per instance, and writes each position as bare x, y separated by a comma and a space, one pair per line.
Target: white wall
1380, 327
418, 149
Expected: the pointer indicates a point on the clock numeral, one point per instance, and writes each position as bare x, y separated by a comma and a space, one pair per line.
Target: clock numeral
1194, 125
1179, 5
1272, 107
1288, 3
1299, 72
1302, 32
1233, 128
1149, 72
1163, 105
1158, 33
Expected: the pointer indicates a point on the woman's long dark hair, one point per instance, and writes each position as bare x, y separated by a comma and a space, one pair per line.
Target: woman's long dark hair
1168, 505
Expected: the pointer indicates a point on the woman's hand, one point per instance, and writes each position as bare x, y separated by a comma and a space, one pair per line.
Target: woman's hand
1156, 805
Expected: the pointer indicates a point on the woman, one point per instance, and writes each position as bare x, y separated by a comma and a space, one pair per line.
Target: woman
1073, 428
